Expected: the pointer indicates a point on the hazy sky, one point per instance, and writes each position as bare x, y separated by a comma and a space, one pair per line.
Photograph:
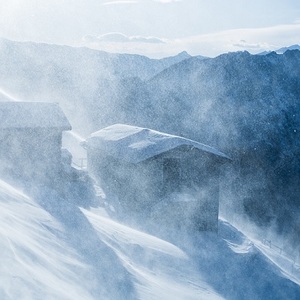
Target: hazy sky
155, 27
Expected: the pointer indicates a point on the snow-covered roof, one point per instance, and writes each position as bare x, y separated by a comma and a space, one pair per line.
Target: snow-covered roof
136, 144
32, 115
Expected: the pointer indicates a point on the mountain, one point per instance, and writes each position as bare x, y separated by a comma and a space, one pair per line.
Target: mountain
245, 105
45, 57
284, 49
172, 60
51, 249
281, 50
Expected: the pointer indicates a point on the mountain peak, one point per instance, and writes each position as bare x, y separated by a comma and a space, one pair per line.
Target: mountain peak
183, 54
281, 50
284, 49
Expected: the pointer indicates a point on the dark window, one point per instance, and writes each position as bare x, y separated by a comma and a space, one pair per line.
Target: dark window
171, 175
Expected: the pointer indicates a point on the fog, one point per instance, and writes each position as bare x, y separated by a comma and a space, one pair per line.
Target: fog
237, 103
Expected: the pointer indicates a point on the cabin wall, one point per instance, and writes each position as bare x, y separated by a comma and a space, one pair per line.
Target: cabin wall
202, 176
140, 187
31, 153
198, 180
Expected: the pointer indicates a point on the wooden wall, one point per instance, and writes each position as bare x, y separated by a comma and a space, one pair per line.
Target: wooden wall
141, 187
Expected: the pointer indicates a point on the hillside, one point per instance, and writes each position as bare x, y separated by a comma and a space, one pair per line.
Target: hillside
54, 250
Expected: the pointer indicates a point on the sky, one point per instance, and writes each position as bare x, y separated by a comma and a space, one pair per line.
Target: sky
155, 28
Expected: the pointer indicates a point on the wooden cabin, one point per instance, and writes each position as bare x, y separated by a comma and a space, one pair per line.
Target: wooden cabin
30, 140
156, 175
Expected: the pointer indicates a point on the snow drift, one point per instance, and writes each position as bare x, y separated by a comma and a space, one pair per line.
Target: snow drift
51, 249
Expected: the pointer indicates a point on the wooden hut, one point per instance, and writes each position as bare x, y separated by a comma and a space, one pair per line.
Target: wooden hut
30, 140
153, 173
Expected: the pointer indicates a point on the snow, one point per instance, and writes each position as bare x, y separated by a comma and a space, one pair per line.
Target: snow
42, 257
161, 270
51, 249
35, 263
245, 247
135, 144
289, 266
72, 142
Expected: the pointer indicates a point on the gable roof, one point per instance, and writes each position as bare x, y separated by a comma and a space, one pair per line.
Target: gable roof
135, 144
32, 115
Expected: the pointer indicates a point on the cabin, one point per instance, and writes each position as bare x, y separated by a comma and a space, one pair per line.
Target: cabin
31, 139
156, 175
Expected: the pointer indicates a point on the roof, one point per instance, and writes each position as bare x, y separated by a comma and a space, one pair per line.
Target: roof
32, 115
135, 144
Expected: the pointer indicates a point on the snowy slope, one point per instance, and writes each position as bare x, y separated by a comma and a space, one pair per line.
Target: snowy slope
36, 260
53, 255
53, 250
161, 270
57, 255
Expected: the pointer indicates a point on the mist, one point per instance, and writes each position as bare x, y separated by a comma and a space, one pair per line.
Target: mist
244, 105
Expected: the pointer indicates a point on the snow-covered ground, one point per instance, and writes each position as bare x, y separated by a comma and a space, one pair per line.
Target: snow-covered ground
54, 250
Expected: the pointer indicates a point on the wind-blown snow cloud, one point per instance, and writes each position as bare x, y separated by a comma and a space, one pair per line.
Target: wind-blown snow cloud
137, 1
167, 1
254, 40
116, 42
153, 27
117, 37
120, 2
255, 46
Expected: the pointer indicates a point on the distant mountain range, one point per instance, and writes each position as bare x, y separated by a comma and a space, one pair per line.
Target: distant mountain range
282, 50
246, 105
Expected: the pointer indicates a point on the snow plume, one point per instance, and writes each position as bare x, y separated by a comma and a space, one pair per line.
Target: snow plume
235, 102
225, 102
166, 1
72, 141
231, 102
120, 2
117, 37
